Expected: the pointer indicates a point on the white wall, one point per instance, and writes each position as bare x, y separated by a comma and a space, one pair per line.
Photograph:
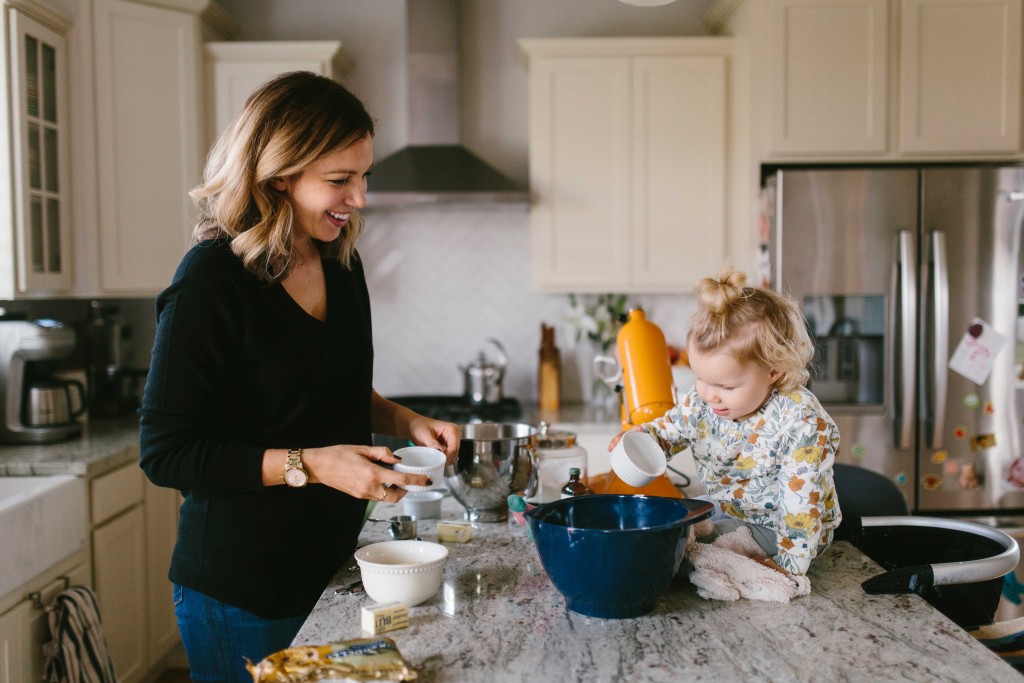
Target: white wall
444, 280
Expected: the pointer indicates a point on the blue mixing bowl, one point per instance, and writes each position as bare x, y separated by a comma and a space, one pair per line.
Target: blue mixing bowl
612, 556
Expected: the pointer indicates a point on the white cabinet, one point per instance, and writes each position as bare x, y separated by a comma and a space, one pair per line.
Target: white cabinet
161, 531
133, 531
35, 253
890, 79
138, 138
960, 71
148, 140
627, 162
23, 626
828, 95
235, 68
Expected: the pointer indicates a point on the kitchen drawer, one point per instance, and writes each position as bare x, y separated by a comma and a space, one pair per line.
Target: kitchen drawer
113, 493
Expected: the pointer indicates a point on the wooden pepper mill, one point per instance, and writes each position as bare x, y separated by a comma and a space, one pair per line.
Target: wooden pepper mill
549, 370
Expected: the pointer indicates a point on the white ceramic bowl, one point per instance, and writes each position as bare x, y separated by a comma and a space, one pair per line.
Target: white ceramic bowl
638, 459
421, 460
422, 504
408, 572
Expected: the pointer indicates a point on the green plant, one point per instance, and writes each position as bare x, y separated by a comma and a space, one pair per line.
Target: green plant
596, 317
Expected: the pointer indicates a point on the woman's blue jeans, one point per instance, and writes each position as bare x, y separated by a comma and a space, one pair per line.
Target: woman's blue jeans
218, 638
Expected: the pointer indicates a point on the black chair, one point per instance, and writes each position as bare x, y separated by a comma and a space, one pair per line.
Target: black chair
956, 566
864, 493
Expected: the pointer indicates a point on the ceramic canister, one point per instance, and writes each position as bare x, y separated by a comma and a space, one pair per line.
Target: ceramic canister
557, 452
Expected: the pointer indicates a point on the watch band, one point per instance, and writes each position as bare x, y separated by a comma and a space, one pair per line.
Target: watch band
294, 474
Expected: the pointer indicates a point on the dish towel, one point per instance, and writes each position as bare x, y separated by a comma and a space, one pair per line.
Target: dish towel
725, 569
78, 651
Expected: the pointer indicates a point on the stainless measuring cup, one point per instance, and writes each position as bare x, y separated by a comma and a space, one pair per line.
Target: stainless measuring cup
401, 527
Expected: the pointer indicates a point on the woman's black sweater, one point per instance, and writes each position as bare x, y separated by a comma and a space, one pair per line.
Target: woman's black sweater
238, 367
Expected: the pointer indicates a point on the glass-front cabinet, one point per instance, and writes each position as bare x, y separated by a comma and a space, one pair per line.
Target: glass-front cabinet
35, 257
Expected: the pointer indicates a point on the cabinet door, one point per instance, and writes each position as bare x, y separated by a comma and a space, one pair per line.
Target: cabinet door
147, 139
119, 556
234, 69
39, 155
36, 627
960, 76
161, 532
13, 665
827, 66
678, 209
580, 173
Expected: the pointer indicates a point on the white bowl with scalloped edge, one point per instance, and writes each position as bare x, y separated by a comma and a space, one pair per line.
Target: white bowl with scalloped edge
408, 572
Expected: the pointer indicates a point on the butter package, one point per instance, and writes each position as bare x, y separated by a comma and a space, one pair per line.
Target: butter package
455, 532
382, 617
362, 659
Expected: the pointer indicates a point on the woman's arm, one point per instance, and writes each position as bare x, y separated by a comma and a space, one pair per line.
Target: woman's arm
387, 417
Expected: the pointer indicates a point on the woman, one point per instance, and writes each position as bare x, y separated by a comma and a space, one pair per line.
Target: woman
259, 405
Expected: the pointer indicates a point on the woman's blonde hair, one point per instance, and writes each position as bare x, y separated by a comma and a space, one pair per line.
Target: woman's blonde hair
752, 325
285, 125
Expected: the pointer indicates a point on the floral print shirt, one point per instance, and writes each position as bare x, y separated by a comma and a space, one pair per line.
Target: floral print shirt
773, 469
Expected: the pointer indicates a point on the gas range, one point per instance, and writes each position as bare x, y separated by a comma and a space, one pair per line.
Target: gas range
459, 409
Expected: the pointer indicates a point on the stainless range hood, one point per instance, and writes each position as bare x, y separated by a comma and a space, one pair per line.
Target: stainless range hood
435, 168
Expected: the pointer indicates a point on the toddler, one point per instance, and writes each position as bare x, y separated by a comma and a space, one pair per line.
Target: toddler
761, 441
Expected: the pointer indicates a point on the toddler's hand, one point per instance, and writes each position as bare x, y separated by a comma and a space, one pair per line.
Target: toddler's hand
618, 437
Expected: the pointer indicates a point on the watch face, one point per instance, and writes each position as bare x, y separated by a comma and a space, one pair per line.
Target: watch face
295, 477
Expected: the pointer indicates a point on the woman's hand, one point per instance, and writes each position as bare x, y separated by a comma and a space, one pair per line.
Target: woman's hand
358, 471
444, 436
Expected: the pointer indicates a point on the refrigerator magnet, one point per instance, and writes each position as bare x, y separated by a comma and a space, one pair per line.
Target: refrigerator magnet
988, 408
982, 441
971, 400
939, 457
976, 351
959, 432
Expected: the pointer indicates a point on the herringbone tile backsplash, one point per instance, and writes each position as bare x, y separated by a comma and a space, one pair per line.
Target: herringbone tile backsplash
443, 280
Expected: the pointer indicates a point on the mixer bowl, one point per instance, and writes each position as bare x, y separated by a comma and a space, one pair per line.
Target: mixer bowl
495, 459
612, 556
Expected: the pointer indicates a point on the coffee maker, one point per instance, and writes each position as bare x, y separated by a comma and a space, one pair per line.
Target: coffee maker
36, 407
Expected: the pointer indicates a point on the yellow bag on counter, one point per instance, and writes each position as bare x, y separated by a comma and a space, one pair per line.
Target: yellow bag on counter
362, 659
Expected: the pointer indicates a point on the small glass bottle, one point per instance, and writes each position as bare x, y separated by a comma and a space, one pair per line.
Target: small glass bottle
575, 487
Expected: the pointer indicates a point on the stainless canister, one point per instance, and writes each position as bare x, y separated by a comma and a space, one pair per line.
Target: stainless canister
495, 459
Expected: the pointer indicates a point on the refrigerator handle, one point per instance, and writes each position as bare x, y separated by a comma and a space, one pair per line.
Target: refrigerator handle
903, 315
939, 347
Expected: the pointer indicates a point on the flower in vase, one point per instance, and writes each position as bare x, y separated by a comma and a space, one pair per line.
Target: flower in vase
596, 318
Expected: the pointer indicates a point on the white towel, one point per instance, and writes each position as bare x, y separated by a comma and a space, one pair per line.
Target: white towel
725, 569
78, 652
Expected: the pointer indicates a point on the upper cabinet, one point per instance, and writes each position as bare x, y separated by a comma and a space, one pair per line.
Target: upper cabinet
35, 253
235, 68
883, 79
627, 162
139, 143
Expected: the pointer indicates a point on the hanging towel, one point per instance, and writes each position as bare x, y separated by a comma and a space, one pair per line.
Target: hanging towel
78, 651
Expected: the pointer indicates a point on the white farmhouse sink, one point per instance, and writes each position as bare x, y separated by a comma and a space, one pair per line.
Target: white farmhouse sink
42, 521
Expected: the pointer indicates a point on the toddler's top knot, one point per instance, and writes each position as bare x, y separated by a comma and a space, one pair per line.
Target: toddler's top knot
716, 294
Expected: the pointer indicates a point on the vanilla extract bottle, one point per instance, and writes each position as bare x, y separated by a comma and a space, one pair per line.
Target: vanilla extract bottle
575, 487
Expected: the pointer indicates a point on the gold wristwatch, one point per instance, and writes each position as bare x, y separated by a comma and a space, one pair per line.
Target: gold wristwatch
294, 473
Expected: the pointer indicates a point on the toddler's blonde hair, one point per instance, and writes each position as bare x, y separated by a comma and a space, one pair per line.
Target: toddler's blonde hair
752, 325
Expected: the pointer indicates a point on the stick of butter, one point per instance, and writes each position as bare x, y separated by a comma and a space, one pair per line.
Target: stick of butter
456, 532
381, 617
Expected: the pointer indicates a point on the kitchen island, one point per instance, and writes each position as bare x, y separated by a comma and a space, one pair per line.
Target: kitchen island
497, 618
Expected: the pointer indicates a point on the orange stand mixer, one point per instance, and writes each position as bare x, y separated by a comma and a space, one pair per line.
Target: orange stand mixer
648, 392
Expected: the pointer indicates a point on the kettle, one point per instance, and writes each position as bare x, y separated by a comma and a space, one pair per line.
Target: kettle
483, 379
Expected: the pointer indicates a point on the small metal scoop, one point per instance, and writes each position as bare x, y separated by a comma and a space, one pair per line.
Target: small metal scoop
401, 527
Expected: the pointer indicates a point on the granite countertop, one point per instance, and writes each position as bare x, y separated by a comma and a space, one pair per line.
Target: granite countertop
497, 618
106, 444
103, 445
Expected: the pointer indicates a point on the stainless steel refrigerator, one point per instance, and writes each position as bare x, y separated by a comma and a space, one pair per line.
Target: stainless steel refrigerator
903, 271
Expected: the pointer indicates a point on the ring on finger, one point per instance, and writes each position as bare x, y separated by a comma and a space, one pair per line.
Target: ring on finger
384, 492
